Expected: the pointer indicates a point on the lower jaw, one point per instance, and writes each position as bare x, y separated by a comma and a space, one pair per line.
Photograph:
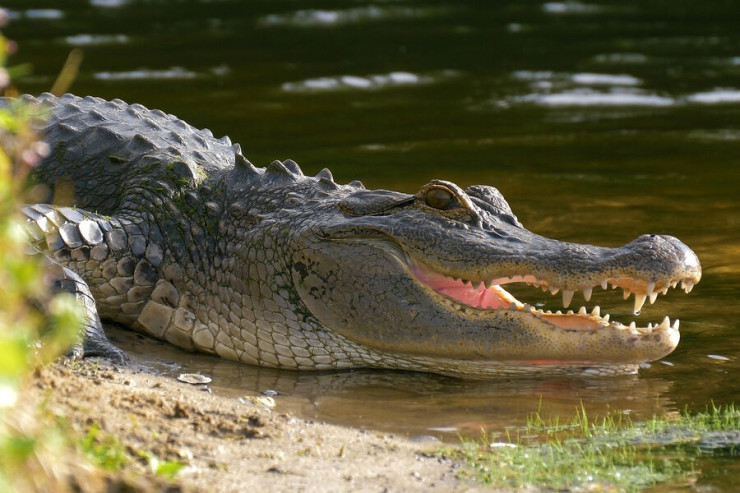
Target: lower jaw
477, 369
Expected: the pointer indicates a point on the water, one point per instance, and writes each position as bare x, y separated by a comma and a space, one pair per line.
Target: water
597, 121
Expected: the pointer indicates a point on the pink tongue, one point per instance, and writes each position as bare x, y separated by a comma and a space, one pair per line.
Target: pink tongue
477, 297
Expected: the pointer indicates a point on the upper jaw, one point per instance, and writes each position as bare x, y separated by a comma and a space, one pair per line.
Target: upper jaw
492, 296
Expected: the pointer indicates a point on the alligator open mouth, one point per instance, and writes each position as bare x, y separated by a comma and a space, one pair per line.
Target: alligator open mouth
490, 295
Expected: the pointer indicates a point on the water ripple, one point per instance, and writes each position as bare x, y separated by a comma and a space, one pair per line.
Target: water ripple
366, 82
570, 8
605, 79
109, 3
621, 58
329, 18
171, 73
717, 96
593, 89
588, 97
38, 14
96, 39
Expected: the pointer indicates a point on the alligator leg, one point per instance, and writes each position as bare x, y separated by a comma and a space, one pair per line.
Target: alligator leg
68, 237
93, 341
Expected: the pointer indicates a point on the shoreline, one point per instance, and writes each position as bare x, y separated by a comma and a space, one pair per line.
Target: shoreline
231, 444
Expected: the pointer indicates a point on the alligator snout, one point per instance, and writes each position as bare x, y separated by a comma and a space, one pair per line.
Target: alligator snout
655, 257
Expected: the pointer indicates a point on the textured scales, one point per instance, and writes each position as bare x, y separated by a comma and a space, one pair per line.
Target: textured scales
175, 234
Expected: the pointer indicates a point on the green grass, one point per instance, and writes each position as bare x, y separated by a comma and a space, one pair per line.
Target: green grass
106, 451
607, 454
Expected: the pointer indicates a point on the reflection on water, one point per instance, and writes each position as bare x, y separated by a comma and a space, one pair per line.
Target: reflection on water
96, 39
172, 73
365, 82
410, 403
332, 18
598, 122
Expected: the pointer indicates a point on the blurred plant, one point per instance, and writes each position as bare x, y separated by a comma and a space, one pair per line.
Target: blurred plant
35, 326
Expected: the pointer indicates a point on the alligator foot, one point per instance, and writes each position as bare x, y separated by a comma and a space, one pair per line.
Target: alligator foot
94, 342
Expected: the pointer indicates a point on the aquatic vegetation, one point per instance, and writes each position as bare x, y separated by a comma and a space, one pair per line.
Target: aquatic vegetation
607, 454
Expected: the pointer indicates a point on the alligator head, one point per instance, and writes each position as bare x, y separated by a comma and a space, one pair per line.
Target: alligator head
423, 278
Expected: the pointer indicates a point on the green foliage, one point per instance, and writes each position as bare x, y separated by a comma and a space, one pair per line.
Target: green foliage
106, 451
166, 469
611, 454
35, 327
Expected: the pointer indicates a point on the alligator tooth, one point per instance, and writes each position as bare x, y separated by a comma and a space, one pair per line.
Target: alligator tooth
582, 310
553, 290
558, 312
665, 290
587, 293
687, 286
639, 301
650, 287
674, 284
570, 312
626, 294
605, 318
653, 296
650, 326
675, 324
633, 325
665, 323
604, 284
596, 312
567, 297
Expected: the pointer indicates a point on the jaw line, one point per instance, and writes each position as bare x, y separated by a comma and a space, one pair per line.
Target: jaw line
425, 277
490, 297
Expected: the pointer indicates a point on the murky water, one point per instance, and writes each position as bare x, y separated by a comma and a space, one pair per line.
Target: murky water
598, 122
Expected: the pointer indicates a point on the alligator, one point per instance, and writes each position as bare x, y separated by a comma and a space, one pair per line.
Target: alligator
162, 228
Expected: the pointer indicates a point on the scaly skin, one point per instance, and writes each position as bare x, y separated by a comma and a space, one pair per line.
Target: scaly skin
178, 236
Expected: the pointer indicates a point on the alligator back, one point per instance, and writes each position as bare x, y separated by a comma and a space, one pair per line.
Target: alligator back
105, 151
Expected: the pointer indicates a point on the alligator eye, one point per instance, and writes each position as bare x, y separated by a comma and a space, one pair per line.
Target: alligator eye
439, 198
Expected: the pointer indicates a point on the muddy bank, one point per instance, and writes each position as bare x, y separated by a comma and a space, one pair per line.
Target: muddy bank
232, 444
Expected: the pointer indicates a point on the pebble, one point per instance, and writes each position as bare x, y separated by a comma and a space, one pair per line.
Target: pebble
194, 379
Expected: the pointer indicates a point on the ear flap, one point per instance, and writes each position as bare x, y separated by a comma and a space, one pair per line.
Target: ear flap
373, 202
490, 199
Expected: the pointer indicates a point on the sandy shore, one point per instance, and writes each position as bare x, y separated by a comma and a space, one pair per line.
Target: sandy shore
232, 444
